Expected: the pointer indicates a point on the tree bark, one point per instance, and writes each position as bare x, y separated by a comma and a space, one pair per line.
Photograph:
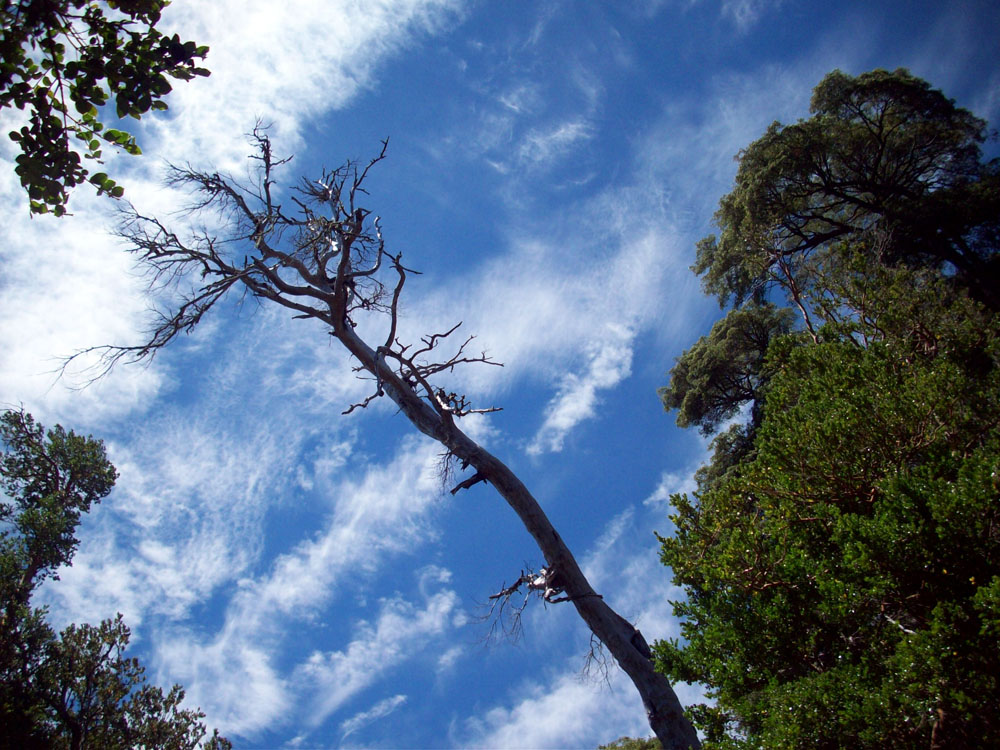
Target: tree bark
623, 641
324, 277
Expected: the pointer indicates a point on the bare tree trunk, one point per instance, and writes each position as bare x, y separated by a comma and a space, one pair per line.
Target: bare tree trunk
625, 642
326, 263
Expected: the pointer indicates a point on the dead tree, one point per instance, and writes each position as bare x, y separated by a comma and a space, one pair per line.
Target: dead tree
326, 260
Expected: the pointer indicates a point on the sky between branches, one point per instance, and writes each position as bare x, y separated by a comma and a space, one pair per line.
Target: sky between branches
550, 167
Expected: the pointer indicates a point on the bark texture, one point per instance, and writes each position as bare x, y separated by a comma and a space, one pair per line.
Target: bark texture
620, 637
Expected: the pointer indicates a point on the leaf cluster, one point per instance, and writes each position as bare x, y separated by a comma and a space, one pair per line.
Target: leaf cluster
48, 481
723, 371
840, 584
64, 61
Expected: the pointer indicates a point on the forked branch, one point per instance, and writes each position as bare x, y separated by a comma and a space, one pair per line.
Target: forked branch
327, 260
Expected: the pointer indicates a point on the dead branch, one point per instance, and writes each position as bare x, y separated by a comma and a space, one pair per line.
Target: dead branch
327, 260
467, 483
504, 616
596, 663
548, 583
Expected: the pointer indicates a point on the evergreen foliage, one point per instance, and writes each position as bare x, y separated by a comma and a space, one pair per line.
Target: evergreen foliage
75, 689
841, 557
884, 159
633, 743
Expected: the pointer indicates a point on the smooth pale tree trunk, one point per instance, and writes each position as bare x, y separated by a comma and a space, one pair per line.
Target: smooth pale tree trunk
323, 276
623, 641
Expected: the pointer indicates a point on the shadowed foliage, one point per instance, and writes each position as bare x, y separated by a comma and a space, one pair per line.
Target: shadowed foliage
75, 689
840, 556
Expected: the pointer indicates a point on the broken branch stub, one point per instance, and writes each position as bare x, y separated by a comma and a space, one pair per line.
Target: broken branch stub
327, 260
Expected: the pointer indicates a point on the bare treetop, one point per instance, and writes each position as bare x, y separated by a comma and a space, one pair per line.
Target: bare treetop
326, 259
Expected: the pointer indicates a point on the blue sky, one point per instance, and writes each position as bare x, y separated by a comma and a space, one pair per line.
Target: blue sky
306, 575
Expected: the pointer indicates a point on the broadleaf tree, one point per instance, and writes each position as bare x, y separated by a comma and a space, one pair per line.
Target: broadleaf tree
77, 688
321, 254
66, 62
841, 566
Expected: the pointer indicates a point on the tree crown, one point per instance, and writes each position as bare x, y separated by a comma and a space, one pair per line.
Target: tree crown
880, 157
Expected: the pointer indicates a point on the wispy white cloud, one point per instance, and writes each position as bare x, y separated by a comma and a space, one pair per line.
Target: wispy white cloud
565, 302
447, 661
379, 711
743, 14
522, 99
987, 104
232, 677
564, 711
522, 124
285, 64
379, 514
541, 147
746, 13
185, 519
66, 286
671, 483
625, 565
372, 517
400, 630
948, 50
608, 362
197, 481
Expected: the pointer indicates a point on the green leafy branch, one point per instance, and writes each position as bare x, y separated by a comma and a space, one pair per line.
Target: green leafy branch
63, 61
